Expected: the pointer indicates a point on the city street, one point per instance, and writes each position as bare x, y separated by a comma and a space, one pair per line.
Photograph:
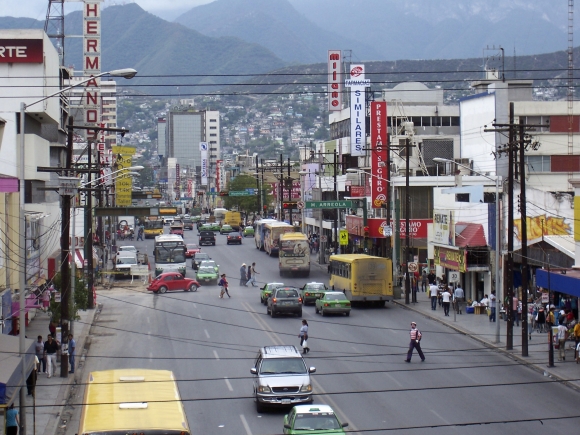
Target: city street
211, 343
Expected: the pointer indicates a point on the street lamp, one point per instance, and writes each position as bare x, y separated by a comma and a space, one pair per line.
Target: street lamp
127, 73
498, 298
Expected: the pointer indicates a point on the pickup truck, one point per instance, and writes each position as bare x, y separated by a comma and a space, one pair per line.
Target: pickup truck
123, 262
206, 238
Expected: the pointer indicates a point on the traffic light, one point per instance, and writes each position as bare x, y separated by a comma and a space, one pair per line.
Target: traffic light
366, 231
223, 193
289, 205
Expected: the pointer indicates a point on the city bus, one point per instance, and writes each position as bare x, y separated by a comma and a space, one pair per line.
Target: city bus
153, 227
294, 255
169, 254
363, 278
260, 232
219, 214
132, 401
272, 233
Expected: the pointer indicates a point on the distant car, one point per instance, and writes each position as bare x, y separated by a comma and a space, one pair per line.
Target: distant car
234, 238
248, 232
176, 229
333, 303
210, 263
198, 258
205, 227
168, 221
225, 229
313, 418
191, 249
206, 273
187, 224
186, 216
172, 281
267, 290
147, 203
284, 300
313, 291
127, 248
206, 237
215, 226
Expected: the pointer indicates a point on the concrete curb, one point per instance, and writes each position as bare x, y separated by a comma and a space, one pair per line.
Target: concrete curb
493, 346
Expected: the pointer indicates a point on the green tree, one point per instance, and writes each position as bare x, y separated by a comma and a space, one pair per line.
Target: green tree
80, 301
244, 203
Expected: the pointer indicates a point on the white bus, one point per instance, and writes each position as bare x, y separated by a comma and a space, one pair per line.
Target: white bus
294, 255
169, 254
272, 233
219, 214
259, 233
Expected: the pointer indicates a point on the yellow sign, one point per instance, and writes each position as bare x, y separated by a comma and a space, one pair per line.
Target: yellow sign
343, 237
123, 184
127, 151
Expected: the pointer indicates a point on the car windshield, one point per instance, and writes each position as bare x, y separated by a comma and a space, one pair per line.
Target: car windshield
207, 269
209, 263
127, 248
126, 260
192, 246
319, 421
338, 297
315, 286
286, 294
277, 366
201, 257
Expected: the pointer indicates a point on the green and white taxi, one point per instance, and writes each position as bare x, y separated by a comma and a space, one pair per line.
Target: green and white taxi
312, 291
333, 303
312, 419
206, 274
266, 291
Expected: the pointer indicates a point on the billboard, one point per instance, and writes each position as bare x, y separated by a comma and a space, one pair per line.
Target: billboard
379, 150
92, 65
358, 109
443, 228
203, 148
21, 51
334, 80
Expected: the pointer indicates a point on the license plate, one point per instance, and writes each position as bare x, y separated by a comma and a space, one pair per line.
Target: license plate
285, 401
206, 280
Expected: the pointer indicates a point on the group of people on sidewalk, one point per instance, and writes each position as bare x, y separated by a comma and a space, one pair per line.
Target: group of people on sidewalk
46, 353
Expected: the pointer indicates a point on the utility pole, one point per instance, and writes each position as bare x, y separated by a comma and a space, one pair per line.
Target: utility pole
509, 281
407, 206
281, 191
89, 229
289, 186
336, 211
524, 239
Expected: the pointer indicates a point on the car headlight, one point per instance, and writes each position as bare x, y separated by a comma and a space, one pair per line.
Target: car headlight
264, 389
306, 389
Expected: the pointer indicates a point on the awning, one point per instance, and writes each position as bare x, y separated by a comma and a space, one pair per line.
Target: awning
469, 235
563, 281
10, 368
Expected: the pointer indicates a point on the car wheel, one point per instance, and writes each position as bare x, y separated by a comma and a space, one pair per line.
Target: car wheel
192, 288
299, 313
267, 310
317, 310
162, 289
323, 313
272, 313
347, 313
259, 406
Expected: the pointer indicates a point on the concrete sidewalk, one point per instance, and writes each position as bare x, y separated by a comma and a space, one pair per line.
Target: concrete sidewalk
481, 329
46, 415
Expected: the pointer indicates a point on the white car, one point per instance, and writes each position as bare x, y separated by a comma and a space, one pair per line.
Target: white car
127, 248
168, 221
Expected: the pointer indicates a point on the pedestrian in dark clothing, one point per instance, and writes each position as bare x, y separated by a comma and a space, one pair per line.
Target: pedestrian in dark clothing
415, 343
249, 274
431, 278
224, 285
243, 278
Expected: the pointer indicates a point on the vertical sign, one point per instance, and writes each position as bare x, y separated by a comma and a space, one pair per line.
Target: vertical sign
92, 62
443, 228
358, 109
189, 188
123, 183
204, 163
379, 150
219, 175
334, 80
177, 187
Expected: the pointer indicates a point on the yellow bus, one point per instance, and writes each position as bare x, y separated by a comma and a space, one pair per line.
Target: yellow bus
153, 227
272, 233
294, 255
363, 278
132, 401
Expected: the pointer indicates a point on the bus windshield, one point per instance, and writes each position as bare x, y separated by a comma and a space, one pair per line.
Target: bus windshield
169, 254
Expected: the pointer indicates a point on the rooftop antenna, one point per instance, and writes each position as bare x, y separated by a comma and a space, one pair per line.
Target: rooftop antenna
54, 26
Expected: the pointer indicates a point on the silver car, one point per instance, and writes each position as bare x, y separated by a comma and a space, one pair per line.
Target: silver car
282, 378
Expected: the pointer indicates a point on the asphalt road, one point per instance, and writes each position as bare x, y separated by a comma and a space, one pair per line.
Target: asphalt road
211, 344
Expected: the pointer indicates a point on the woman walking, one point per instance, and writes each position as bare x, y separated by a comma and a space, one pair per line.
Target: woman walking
304, 337
12, 421
243, 278
224, 285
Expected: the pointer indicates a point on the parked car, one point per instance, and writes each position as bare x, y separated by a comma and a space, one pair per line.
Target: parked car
234, 238
191, 249
282, 377
172, 281
248, 231
206, 273
333, 303
315, 418
284, 300
225, 229
313, 291
198, 258
267, 290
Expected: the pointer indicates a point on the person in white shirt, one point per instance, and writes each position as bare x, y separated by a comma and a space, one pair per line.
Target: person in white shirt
433, 289
492, 301
446, 297
562, 337
484, 301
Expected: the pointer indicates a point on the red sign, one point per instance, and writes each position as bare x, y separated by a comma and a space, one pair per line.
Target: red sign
356, 191
377, 227
21, 51
296, 190
356, 71
334, 80
379, 169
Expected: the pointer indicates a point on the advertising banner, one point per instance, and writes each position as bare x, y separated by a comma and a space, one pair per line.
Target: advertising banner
203, 148
21, 51
123, 184
378, 227
450, 258
379, 150
92, 63
443, 228
334, 80
358, 109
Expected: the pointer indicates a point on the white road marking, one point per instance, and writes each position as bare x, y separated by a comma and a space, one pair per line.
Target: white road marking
216, 355
206, 333
228, 384
441, 418
394, 380
194, 306
199, 315
245, 424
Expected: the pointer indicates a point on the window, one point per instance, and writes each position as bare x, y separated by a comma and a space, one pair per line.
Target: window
213, 127
538, 164
213, 120
213, 134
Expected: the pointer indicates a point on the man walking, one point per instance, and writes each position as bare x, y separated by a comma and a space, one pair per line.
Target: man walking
50, 349
458, 297
446, 298
424, 281
72, 345
562, 337
516, 317
415, 343
39, 351
254, 273
433, 289
492, 303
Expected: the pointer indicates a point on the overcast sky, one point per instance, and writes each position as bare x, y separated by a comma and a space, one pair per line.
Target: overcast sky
167, 9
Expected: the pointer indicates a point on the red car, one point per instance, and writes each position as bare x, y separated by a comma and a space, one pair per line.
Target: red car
173, 281
191, 249
176, 229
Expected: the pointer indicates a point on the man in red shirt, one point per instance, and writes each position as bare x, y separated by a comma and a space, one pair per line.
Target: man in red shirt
415, 343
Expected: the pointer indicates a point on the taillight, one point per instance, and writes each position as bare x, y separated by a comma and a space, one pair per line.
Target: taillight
274, 300
307, 294
348, 304
326, 304
300, 300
